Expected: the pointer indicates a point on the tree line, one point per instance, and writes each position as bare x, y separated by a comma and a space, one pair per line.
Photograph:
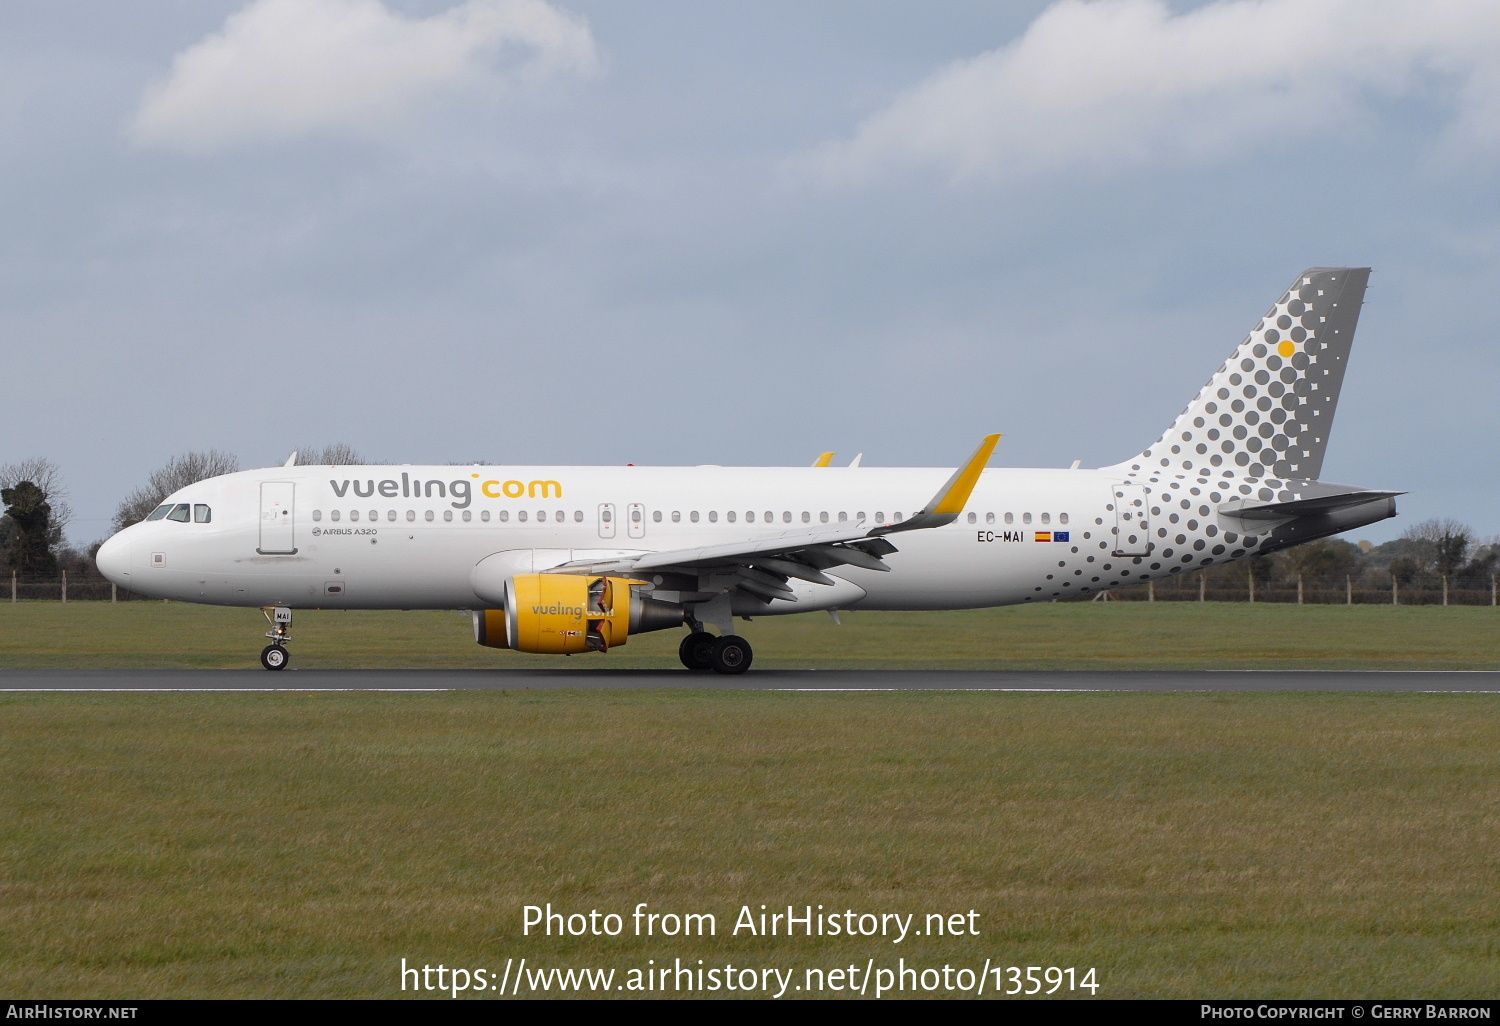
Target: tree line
1435, 561
1435, 557
33, 541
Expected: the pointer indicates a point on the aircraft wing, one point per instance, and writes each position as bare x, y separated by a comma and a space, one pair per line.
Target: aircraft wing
763, 564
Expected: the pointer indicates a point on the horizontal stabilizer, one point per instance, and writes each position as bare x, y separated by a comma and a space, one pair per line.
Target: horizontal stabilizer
1246, 509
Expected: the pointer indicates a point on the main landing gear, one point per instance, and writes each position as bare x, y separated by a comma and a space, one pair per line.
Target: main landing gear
700, 651
275, 656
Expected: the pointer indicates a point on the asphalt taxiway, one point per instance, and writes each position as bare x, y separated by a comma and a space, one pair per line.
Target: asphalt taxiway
1475, 681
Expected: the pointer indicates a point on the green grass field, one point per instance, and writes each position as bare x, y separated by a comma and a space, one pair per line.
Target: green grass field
1135, 635
1184, 845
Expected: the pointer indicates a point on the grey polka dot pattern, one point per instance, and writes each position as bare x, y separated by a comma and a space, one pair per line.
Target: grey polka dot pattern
1256, 432
1267, 412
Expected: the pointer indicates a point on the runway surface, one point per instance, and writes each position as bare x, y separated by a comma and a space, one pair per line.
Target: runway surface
1475, 681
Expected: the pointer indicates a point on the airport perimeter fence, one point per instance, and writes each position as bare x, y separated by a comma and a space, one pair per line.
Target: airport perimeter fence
63, 586
1365, 590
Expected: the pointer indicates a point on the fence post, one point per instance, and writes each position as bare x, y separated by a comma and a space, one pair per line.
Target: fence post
114, 595
1492, 589
1299, 589
65, 587
12, 585
1445, 589
1395, 596
1202, 587
1250, 576
1150, 591
1349, 589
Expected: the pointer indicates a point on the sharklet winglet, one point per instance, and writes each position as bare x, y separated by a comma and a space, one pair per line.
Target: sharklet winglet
944, 507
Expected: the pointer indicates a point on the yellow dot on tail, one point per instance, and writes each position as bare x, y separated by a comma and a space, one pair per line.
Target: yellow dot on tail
1287, 347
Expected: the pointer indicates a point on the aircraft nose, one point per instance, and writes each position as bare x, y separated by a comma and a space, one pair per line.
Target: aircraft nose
113, 559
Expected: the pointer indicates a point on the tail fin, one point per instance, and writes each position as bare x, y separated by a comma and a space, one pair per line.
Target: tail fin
1268, 411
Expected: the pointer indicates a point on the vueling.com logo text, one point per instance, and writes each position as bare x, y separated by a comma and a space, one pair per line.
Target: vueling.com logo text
576, 612
460, 491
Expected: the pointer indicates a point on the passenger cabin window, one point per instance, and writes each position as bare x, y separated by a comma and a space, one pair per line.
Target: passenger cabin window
390, 515
578, 516
786, 516
1025, 518
1010, 518
448, 515
180, 513
202, 514
806, 517
333, 514
160, 511
411, 515
823, 517
354, 514
973, 518
504, 515
989, 518
1062, 518
1046, 518
484, 515
729, 516
676, 517
713, 516
317, 515
656, 516
468, 516
562, 516
427, 515
520, 515
693, 516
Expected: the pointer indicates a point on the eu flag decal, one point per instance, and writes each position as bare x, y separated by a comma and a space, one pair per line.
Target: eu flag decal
1060, 536
1044, 536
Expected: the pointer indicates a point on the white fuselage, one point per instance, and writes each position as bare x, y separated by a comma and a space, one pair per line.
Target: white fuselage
405, 537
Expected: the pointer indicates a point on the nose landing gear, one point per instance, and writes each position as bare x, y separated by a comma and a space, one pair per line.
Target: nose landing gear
275, 656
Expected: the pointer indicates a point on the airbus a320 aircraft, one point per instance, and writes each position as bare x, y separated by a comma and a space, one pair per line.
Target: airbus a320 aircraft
577, 559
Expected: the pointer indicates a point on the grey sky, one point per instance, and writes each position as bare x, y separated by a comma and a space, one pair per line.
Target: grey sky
734, 233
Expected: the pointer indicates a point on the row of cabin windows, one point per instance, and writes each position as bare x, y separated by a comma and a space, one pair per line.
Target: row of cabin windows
561, 516
787, 516
183, 512
1010, 518
542, 515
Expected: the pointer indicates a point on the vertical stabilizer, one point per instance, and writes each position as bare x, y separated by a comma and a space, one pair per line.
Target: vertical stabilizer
1268, 411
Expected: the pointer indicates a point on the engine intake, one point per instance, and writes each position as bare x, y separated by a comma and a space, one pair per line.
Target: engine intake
559, 614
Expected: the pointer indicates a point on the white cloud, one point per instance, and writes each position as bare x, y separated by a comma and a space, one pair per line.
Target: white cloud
285, 68
1127, 83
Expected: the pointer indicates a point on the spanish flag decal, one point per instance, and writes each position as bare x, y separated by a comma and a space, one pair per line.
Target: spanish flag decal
1044, 536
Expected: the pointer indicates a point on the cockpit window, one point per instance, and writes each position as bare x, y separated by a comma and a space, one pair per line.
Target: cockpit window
160, 511
202, 514
182, 513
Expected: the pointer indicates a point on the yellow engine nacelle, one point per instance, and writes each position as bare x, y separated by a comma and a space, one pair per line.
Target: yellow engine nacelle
562, 613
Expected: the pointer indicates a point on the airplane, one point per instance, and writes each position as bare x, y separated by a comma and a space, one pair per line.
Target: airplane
569, 560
